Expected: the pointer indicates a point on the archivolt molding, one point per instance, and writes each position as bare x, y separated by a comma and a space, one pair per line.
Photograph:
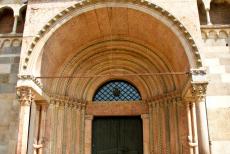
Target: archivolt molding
174, 98
58, 100
129, 54
138, 3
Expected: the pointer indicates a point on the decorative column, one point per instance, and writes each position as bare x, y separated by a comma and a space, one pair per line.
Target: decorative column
60, 121
42, 125
207, 9
88, 134
15, 24
151, 138
208, 17
25, 100
145, 119
199, 92
194, 123
189, 127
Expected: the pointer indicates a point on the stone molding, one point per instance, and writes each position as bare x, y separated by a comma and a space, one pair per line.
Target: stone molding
32, 78
166, 100
215, 31
10, 40
67, 102
25, 95
48, 26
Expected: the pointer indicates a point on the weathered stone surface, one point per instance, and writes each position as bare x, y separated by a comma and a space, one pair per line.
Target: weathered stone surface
219, 128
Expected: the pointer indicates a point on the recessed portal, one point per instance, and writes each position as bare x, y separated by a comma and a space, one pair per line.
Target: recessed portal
117, 135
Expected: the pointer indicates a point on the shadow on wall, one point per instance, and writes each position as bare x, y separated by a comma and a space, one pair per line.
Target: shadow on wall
202, 14
6, 20
21, 21
220, 13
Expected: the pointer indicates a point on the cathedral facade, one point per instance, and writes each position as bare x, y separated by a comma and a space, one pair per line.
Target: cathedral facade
114, 77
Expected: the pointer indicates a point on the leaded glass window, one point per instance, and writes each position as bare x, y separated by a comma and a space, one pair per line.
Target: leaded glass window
117, 90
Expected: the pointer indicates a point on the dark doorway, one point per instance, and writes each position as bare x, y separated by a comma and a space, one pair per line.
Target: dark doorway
117, 135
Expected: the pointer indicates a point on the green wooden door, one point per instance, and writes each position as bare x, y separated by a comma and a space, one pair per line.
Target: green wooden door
117, 135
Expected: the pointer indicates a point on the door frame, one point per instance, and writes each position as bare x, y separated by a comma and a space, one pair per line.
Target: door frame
125, 109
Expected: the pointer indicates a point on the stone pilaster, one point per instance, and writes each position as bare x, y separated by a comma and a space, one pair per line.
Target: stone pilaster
25, 99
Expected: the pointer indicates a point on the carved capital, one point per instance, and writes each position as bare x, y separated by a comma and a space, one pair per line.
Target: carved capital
25, 96
198, 90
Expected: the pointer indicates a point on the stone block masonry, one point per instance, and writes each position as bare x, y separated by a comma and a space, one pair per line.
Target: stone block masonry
10, 47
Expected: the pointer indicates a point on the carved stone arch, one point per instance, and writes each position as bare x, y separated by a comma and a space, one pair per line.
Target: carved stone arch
157, 92
132, 65
35, 50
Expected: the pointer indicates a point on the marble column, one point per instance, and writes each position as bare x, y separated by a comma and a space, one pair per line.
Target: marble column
150, 104
194, 126
42, 126
145, 119
189, 120
208, 17
88, 134
14, 29
203, 137
60, 120
199, 92
25, 100
207, 9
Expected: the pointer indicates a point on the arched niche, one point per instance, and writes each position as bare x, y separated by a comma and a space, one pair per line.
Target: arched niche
219, 12
21, 20
6, 20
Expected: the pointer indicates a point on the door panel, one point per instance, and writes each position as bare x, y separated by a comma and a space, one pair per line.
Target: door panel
117, 135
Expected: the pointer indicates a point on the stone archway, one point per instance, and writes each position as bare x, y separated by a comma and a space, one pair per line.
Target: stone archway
109, 43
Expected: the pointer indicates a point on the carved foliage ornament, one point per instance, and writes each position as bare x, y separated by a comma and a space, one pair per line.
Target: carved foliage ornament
199, 90
25, 96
